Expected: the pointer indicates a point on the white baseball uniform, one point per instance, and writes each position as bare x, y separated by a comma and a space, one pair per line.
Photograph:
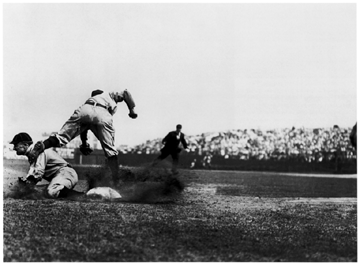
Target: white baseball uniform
53, 168
95, 115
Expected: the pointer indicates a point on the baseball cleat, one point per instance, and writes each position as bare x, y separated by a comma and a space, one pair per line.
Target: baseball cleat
70, 194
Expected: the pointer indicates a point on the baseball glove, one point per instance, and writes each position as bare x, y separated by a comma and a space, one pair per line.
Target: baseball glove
39, 147
31, 180
132, 114
85, 149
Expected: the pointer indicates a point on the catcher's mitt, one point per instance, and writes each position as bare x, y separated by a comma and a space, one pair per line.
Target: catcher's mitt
85, 149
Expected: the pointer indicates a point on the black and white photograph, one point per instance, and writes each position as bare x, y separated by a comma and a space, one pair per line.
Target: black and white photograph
179, 131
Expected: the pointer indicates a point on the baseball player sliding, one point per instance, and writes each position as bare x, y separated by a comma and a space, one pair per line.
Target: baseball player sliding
49, 166
96, 114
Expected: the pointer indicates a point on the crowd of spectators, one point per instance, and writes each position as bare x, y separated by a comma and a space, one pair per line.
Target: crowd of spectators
310, 145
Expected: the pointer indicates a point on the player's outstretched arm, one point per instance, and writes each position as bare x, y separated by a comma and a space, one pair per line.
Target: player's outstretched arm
130, 104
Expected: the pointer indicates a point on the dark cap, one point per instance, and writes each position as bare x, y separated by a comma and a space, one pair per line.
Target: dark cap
96, 92
178, 126
21, 137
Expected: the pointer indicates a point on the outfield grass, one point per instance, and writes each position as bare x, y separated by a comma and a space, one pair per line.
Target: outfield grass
220, 216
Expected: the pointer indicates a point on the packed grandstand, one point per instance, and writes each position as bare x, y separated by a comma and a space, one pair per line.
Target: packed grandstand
311, 145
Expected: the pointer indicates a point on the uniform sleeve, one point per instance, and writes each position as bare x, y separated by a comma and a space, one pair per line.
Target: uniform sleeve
123, 96
37, 169
128, 99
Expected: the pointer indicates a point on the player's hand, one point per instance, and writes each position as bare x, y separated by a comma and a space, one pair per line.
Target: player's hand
29, 181
85, 149
21, 181
132, 114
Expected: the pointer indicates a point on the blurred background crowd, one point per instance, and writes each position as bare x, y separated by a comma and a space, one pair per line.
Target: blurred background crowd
301, 144
311, 145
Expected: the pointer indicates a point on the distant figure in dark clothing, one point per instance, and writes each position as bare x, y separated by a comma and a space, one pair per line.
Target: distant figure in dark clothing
171, 147
353, 136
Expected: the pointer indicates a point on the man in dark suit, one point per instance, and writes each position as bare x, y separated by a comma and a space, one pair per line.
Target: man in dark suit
353, 136
171, 147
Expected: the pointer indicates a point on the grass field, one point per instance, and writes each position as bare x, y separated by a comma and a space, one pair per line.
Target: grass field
220, 216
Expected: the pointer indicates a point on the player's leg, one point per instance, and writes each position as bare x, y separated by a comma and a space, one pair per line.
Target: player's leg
175, 157
72, 128
164, 153
105, 133
63, 183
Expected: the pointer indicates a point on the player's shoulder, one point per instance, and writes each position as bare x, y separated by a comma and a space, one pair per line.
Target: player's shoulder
51, 152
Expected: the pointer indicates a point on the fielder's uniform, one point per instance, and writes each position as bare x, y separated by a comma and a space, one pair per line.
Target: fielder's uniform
95, 115
53, 168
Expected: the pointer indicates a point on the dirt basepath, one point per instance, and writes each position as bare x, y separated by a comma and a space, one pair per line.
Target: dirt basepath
209, 193
234, 193
312, 175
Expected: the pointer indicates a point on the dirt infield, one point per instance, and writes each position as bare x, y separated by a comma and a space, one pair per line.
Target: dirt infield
212, 190
312, 175
190, 230
244, 183
220, 216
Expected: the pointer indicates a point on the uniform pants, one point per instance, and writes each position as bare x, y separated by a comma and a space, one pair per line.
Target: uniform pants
93, 118
64, 177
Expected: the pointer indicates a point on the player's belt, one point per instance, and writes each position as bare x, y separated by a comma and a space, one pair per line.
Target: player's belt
92, 103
